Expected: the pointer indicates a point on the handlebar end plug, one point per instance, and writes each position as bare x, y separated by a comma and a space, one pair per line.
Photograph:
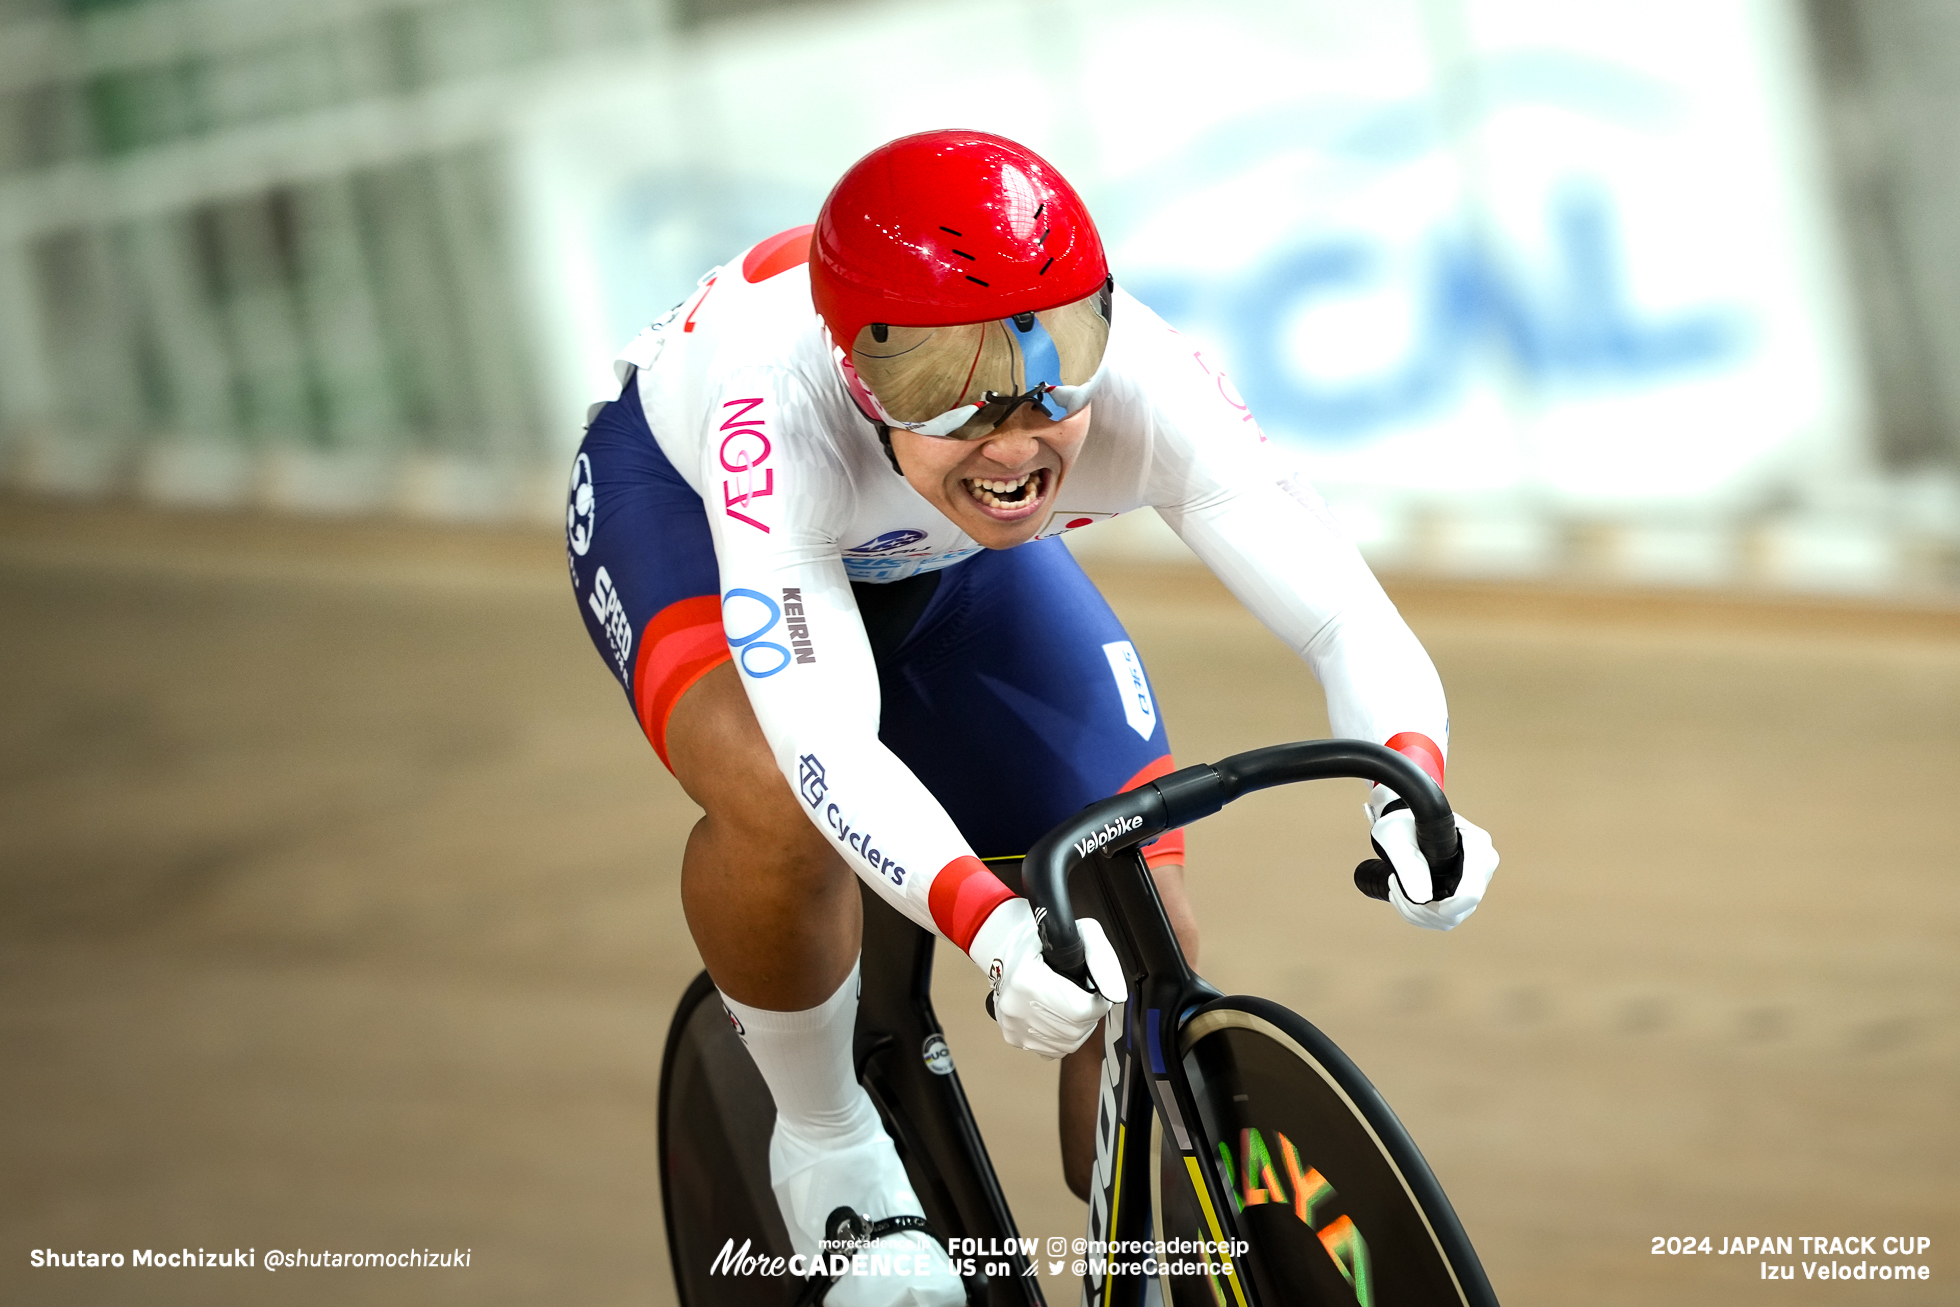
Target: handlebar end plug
1371, 878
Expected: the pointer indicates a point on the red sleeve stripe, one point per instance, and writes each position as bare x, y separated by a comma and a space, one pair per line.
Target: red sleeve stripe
1422, 751
1168, 847
679, 645
963, 895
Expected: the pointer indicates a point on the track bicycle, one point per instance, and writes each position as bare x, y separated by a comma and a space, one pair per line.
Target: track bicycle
1286, 1177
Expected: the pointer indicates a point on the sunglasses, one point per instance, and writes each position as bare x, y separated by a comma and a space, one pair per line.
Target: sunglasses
961, 382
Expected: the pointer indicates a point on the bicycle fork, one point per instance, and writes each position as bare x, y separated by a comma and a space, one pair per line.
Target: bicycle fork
1141, 1079
1133, 1090
1119, 1186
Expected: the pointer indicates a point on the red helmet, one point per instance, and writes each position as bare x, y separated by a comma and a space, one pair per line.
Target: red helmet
957, 227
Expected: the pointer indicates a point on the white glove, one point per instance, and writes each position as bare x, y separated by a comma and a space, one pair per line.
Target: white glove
1409, 888
1038, 1010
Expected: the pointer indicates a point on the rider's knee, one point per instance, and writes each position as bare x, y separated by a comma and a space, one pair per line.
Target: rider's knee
755, 822
775, 843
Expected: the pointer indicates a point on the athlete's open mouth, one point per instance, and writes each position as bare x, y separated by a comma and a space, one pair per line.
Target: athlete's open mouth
1008, 498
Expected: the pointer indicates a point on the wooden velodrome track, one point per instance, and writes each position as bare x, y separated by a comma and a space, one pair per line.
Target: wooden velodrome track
338, 911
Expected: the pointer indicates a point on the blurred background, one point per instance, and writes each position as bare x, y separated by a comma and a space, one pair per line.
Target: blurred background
338, 894
1662, 293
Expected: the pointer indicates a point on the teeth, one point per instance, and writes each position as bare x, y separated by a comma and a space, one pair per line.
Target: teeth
994, 493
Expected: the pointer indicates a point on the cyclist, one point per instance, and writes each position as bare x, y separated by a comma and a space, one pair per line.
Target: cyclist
817, 538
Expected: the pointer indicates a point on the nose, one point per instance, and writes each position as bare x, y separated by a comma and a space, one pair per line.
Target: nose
1010, 448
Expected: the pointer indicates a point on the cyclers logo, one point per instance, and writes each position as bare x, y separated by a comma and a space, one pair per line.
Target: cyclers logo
1115, 830
810, 779
762, 658
859, 842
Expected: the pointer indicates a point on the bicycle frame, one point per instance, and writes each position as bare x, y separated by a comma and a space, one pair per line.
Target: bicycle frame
923, 1103
1139, 1080
902, 1060
929, 1115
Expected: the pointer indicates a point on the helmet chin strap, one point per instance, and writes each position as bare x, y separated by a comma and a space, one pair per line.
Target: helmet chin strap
885, 439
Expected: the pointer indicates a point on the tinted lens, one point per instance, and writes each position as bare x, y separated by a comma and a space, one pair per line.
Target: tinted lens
922, 374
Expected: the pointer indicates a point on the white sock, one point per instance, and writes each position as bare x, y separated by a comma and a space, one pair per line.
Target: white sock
805, 1059
829, 1149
